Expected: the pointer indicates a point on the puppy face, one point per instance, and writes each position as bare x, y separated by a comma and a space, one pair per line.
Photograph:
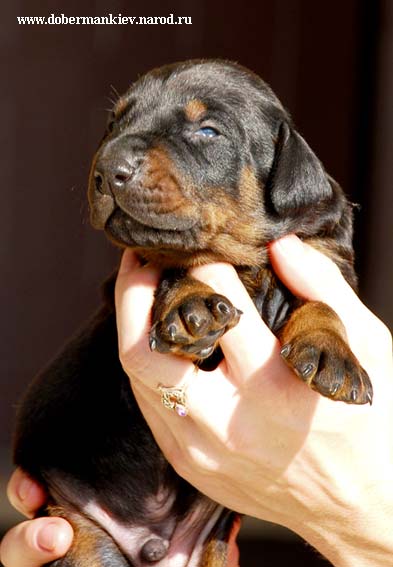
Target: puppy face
186, 169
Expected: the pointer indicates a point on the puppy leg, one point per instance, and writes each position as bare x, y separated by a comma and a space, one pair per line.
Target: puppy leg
315, 347
92, 546
189, 317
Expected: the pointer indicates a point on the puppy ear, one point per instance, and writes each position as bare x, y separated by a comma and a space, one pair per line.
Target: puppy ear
297, 180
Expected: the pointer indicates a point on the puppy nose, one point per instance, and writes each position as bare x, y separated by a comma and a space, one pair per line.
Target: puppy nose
112, 175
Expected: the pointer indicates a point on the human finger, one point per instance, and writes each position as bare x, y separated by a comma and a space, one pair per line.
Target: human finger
311, 275
250, 344
25, 494
134, 296
36, 542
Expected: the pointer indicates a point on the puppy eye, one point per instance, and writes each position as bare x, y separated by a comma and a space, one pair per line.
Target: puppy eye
207, 132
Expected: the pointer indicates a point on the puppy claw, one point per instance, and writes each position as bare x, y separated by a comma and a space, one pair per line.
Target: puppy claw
335, 389
223, 307
286, 349
354, 395
195, 321
172, 330
152, 343
308, 370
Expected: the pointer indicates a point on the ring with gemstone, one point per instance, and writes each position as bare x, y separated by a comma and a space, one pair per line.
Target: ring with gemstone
174, 399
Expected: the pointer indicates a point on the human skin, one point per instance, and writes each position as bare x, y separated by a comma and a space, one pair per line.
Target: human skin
32, 543
257, 439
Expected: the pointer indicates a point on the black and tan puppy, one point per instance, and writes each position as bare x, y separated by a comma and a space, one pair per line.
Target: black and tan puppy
200, 162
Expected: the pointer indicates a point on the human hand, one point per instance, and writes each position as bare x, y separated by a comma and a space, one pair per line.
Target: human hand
34, 542
256, 438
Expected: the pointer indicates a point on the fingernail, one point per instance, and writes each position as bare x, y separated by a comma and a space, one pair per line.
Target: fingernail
25, 488
47, 537
289, 245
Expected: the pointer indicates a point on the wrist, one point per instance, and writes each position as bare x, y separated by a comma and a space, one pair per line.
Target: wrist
358, 535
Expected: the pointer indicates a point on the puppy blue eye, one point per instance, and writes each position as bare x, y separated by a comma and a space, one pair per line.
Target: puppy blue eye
207, 132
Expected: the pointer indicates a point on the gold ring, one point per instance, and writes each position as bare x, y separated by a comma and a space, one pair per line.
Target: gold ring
174, 399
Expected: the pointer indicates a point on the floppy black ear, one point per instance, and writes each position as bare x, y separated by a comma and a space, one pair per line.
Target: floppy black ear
297, 180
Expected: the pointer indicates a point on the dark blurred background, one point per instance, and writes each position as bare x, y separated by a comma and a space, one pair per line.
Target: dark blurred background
330, 62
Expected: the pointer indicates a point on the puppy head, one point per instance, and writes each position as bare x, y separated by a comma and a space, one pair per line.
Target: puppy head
200, 163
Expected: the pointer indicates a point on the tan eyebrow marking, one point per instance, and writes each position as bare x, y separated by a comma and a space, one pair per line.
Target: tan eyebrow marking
195, 109
120, 107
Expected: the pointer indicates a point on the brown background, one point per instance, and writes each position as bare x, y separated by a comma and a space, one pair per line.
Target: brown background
329, 62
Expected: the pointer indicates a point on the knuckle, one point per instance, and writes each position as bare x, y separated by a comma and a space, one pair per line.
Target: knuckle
181, 459
173, 454
198, 459
201, 461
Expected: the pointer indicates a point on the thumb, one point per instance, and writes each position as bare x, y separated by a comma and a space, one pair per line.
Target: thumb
36, 542
311, 275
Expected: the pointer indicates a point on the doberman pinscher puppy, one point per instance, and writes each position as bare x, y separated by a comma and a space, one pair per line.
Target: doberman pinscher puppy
200, 162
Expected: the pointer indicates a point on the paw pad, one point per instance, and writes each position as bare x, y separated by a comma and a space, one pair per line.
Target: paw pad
193, 327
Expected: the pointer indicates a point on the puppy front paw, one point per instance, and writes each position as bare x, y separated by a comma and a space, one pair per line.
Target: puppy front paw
192, 327
325, 362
